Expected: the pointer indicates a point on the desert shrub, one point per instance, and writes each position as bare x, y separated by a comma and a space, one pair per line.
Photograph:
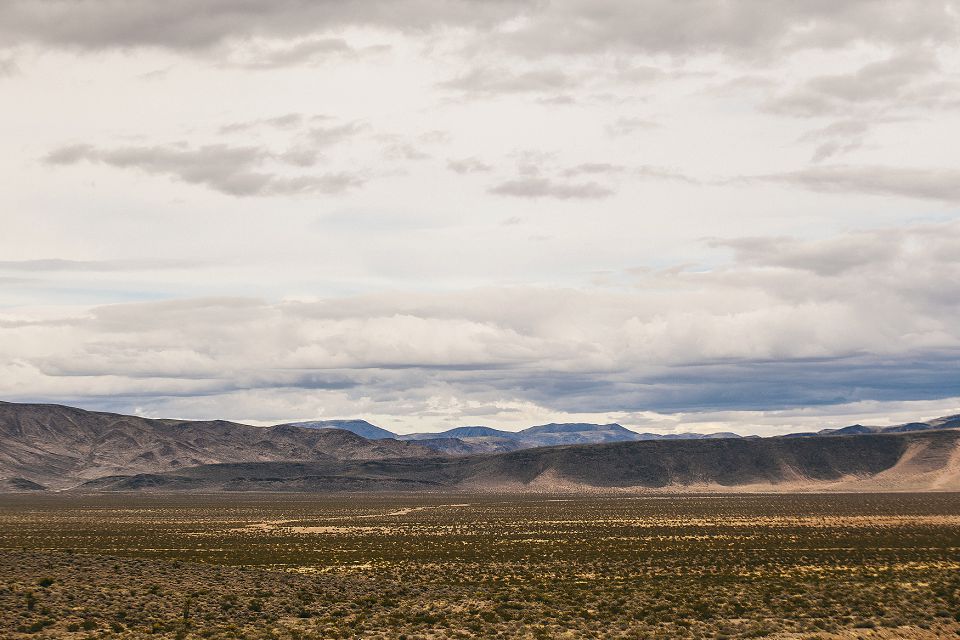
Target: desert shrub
39, 625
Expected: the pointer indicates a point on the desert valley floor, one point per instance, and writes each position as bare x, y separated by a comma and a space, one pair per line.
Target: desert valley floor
459, 566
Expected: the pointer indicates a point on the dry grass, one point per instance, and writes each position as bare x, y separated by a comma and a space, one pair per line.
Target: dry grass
295, 566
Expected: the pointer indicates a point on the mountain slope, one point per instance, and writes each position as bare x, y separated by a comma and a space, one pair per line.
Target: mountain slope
479, 439
946, 422
575, 433
462, 433
546, 435
362, 428
58, 446
907, 461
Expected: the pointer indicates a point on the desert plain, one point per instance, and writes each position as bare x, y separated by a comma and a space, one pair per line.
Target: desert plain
431, 566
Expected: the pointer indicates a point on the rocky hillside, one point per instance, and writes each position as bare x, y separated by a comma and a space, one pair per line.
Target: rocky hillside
479, 439
56, 446
887, 462
360, 427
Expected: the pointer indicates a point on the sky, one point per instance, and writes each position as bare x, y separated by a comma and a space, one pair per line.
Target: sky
680, 216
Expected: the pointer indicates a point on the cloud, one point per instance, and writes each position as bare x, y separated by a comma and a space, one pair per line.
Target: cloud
906, 182
399, 150
611, 169
535, 187
412, 147
60, 264
486, 81
640, 73
594, 168
534, 182
742, 28
663, 173
905, 79
786, 323
285, 54
234, 171
326, 136
824, 257
893, 89
286, 121
8, 66
626, 126
194, 25
744, 322
840, 137
468, 165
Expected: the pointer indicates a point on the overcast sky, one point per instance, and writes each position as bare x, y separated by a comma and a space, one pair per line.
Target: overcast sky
677, 215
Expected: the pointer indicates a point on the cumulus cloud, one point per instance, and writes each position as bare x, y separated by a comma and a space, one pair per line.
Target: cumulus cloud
786, 323
191, 25
235, 171
742, 27
661, 92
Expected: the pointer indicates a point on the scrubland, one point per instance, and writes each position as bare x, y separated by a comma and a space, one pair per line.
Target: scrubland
447, 566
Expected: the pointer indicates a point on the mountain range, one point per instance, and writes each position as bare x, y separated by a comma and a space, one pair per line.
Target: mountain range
946, 422
57, 447
480, 439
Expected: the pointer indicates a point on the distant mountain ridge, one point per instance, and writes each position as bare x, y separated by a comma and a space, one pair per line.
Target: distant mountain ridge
946, 422
57, 447
482, 439
910, 461
360, 427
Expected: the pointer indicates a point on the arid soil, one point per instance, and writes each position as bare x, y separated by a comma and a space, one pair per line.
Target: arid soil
458, 566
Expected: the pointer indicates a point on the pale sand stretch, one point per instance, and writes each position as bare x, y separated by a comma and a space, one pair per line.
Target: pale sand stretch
271, 525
